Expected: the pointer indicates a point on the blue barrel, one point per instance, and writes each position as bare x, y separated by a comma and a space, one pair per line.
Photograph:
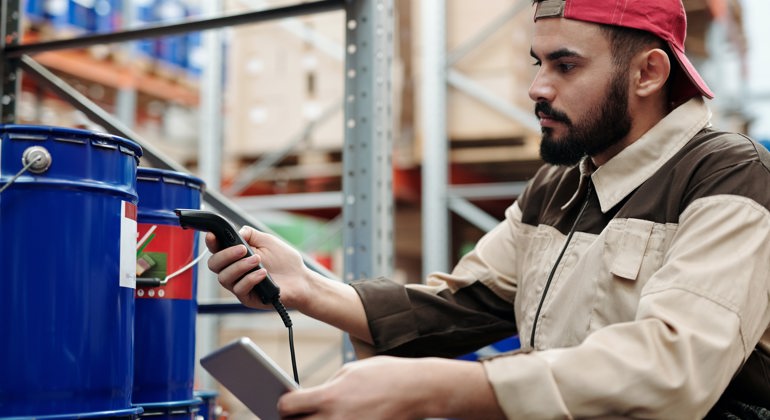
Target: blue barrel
144, 12
81, 15
195, 54
34, 10
165, 313
107, 15
57, 12
172, 49
68, 261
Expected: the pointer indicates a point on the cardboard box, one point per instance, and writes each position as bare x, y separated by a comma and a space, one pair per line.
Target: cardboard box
279, 82
500, 65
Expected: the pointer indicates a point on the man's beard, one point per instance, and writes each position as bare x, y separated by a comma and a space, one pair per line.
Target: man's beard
604, 127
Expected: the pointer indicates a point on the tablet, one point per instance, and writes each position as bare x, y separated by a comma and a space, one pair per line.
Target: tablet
246, 371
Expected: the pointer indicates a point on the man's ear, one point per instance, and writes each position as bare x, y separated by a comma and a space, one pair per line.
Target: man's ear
652, 69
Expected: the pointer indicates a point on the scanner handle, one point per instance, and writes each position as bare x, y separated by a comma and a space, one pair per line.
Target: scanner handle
226, 235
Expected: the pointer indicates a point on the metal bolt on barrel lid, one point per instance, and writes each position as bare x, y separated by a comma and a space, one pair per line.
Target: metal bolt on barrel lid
37, 158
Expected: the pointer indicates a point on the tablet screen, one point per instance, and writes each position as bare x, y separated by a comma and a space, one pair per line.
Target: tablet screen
246, 371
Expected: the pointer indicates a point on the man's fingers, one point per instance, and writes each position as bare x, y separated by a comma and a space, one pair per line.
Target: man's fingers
211, 242
243, 286
233, 273
220, 260
301, 403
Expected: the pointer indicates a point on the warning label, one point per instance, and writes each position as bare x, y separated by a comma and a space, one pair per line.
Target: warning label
127, 245
163, 250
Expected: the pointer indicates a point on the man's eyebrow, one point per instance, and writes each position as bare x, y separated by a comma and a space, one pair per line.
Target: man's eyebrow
555, 55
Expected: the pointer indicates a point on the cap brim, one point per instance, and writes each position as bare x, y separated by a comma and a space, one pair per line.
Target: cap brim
691, 73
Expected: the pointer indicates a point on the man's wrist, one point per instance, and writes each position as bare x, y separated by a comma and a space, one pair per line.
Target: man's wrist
458, 388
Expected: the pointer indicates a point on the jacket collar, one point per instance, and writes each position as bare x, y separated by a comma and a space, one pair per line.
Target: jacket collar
622, 174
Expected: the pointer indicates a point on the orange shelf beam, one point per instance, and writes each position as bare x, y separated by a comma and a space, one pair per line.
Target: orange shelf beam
83, 65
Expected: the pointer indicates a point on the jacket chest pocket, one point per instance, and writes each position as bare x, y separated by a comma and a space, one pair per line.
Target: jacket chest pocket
539, 250
633, 252
628, 248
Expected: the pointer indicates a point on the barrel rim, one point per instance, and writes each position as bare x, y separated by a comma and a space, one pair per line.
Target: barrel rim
192, 405
51, 130
125, 412
154, 174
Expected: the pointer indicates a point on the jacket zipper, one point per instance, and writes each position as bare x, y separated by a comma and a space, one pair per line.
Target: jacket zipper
558, 260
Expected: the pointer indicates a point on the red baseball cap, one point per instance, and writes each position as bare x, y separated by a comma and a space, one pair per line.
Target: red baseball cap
664, 18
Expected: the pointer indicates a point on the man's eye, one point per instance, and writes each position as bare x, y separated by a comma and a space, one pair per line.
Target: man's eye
566, 67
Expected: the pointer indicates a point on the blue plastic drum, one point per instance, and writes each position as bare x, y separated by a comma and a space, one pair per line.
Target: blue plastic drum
166, 305
67, 272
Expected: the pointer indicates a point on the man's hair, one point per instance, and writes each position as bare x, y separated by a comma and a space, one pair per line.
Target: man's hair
625, 43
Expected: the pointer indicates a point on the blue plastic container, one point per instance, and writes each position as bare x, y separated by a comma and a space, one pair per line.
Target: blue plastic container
67, 255
107, 15
34, 10
57, 12
505, 345
145, 15
165, 315
172, 49
195, 54
81, 15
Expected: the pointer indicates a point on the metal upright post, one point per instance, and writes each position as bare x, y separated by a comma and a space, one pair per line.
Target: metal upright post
435, 178
367, 155
9, 67
125, 102
210, 144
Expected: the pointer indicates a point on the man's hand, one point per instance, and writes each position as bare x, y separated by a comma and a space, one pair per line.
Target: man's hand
303, 289
392, 388
283, 262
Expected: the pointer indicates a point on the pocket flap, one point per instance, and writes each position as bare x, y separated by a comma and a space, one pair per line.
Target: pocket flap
632, 249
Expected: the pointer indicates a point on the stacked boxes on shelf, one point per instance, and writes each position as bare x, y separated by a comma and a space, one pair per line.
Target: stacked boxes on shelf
500, 66
283, 76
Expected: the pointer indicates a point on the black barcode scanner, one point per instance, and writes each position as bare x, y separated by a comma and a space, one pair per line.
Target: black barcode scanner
267, 290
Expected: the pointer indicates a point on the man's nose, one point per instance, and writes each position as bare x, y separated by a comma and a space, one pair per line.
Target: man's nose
541, 90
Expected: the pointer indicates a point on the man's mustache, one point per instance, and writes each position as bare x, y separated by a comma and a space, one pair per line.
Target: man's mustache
556, 115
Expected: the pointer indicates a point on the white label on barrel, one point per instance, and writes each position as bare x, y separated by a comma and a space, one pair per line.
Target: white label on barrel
128, 245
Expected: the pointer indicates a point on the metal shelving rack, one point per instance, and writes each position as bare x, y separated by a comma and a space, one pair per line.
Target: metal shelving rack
367, 182
439, 196
367, 191
367, 188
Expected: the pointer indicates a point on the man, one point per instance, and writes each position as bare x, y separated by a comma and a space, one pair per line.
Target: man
635, 267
